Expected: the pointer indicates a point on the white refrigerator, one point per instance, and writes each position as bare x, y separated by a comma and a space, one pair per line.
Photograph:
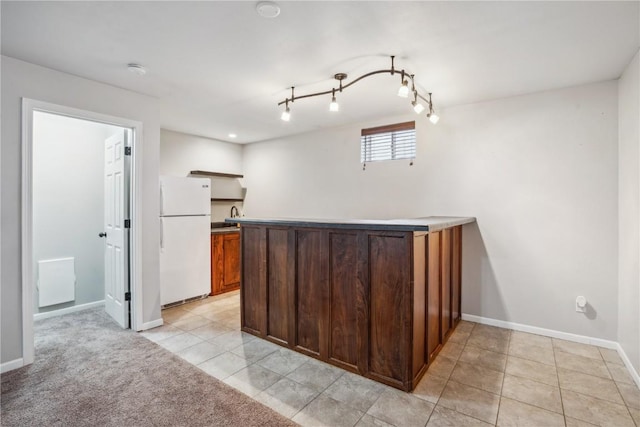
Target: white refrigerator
185, 238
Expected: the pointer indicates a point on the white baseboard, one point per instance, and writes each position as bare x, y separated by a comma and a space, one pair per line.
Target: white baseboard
560, 335
54, 313
152, 324
627, 363
11, 365
541, 331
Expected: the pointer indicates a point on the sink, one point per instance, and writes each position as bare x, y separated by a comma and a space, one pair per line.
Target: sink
221, 225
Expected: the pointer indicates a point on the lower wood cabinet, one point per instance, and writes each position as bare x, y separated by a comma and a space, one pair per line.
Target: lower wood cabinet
225, 262
443, 257
377, 303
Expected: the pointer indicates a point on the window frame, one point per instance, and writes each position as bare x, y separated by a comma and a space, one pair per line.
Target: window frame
393, 129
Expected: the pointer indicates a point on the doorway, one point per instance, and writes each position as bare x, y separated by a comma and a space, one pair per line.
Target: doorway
79, 208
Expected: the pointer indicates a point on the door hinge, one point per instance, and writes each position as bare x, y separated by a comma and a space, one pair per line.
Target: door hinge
127, 223
127, 296
127, 151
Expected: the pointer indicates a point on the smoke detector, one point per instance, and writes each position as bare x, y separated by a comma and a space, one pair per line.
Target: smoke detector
268, 9
137, 69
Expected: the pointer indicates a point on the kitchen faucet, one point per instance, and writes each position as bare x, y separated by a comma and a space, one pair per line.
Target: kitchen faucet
234, 212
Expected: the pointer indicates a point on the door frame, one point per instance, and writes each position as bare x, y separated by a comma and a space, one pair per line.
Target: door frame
29, 106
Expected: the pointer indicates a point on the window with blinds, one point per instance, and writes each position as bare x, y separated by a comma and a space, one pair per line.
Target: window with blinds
391, 142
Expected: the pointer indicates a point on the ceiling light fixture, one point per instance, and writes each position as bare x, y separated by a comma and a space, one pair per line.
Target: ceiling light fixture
334, 106
233, 135
404, 92
268, 9
433, 117
286, 114
417, 107
137, 69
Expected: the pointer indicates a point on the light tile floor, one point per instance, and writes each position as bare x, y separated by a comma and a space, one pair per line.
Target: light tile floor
483, 376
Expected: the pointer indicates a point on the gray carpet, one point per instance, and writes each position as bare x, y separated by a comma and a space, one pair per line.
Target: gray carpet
89, 372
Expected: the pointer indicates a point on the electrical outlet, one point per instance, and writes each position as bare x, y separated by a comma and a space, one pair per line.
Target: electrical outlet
581, 304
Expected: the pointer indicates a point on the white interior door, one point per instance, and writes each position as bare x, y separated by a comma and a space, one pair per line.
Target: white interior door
116, 278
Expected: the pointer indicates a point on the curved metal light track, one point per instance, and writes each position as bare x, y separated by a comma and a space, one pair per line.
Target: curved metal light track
341, 76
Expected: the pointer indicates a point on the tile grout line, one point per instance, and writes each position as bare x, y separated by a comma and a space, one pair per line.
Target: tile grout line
372, 405
321, 392
503, 377
204, 340
589, 396
466, 385
529, 403
509, 356
359, 419
449, 377
477, 388
621, 396
624, 403
553, 348
310, 402
566, 369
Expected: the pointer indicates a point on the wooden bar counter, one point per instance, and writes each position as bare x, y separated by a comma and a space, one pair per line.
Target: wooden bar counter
378, 298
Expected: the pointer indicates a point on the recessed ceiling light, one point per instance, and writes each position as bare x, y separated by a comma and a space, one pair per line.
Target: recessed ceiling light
232, 135
137, 68
268, 9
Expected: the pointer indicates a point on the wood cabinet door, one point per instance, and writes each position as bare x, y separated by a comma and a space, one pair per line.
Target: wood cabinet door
434, 296
216, 263
253, 296
389, 311
310, 284
278, 285
445, 282
456, 274
225, 262
231, 262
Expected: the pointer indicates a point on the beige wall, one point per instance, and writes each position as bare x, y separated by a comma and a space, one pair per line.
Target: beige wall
181, 153
629, 212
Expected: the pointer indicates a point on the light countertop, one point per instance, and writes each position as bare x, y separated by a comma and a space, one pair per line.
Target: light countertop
430, 223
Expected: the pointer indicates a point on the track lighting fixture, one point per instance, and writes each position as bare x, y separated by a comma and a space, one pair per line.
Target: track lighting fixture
417, 107
433, 117
286, 114
403, 92
334, 106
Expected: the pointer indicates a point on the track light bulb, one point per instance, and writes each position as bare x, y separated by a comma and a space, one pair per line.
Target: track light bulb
433, 117
403, 91
417, 107
334, 106
286, 115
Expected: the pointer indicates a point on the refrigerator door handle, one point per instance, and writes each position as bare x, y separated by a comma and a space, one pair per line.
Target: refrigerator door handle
161, 233
161, 201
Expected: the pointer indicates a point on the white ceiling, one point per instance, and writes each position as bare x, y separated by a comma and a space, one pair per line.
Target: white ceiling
218, 67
